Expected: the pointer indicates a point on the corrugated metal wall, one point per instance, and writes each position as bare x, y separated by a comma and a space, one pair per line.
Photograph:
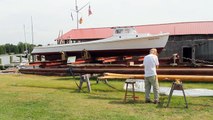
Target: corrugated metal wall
205, 51
203, 47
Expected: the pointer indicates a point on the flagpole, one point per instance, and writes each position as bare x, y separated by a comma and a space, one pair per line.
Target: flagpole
76, 9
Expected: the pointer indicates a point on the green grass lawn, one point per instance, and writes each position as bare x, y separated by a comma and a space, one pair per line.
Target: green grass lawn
31, 97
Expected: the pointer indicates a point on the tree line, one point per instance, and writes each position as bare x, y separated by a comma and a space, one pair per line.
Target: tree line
20, 48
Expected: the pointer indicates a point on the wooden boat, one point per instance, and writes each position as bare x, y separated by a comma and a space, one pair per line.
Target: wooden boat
125, 41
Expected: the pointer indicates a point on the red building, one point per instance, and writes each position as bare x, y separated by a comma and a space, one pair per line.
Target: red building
175, 29
191, 40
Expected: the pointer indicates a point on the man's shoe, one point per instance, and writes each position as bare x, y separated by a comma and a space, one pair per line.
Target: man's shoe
156, 102
148, 101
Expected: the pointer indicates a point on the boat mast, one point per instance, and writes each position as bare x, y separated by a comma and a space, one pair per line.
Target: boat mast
32, 30
25, 38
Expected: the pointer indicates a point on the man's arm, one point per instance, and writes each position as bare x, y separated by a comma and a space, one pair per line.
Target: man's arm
157, 62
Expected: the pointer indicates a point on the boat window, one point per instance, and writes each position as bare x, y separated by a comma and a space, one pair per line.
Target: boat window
127, 31
119, 31
66, 41
124, 30
58, 42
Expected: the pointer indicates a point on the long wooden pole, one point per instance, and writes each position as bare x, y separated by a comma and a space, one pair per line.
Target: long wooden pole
138, 70
160, 77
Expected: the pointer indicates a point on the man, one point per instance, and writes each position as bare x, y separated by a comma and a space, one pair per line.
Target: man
150, 64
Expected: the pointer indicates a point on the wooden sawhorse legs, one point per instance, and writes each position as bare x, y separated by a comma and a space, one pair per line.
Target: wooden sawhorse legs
177, 86
84, 78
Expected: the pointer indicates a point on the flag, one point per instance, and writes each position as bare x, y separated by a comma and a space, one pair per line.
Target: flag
81, 20
72, 17
89, 11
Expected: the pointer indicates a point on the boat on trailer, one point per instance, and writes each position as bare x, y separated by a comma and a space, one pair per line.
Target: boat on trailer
125, 41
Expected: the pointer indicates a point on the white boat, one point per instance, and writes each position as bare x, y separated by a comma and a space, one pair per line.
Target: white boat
124, 41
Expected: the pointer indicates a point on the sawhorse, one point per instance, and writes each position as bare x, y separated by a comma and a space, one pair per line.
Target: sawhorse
84, 78
177, 86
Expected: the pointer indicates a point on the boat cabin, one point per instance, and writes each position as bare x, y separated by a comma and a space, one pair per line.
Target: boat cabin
124, 30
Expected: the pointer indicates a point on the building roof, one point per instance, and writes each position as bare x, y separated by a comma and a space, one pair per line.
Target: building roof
181, 28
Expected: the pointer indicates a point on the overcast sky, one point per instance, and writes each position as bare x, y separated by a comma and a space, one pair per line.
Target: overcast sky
51, 16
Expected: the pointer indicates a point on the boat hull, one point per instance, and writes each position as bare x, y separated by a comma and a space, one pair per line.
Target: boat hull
108, 47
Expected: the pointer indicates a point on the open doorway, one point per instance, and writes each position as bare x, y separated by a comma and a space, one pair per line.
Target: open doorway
187, 53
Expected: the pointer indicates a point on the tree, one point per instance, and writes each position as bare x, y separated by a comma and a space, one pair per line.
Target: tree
30, 47
2, 49
8, 48
16, 49
21, 47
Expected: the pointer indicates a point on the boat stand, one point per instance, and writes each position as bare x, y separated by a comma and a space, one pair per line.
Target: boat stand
177, 86
84, 78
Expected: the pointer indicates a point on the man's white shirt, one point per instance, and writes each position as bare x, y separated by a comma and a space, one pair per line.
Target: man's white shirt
150, 62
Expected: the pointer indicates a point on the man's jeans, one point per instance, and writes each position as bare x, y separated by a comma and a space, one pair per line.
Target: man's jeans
151, 81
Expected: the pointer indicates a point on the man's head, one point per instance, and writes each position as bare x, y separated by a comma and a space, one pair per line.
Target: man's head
153, 51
